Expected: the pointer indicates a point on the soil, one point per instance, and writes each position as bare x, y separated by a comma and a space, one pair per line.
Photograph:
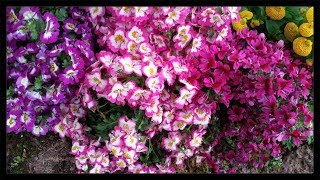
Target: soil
50, 154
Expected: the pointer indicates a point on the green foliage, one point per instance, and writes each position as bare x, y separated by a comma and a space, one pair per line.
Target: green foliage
39, 119
275, 163
17, 161
153, 155
142, 121
310, 140
61, 14
293, 15
103, 120
288, 144
38, 83
259, 12
10, 92
274, 27
64, 60
36, 26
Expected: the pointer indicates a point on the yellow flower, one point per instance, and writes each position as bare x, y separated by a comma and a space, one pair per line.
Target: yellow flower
309, 15
309, 62
254, 23
306, 29
239, 25
291, 31
275, 12
302, 46
246, 14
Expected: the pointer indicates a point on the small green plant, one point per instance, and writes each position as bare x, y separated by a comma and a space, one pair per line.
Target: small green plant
275, 163
17, 161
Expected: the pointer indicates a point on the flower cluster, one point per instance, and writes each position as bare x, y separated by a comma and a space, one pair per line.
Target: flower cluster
229, 98
120, 152
45, 63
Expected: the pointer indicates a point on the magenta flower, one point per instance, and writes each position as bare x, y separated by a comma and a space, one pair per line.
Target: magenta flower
51, 32
236, 113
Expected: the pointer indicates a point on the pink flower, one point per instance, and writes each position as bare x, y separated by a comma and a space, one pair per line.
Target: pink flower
96, 12
150, 70
137, 34
185, 97
106, 58
285, 87
117, 92
117, 41
236, 113
155, 84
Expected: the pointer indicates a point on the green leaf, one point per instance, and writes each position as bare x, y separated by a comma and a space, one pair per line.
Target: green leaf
310, 140
34, 35
273, 27
10, 92
39, 119
38, 83
36, 26
61, 14
288, 144
66, 63
293, 15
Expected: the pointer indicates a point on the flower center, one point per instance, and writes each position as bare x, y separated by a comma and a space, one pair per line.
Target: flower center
119, 38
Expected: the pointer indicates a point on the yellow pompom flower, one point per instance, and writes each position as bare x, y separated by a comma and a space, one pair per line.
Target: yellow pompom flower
254, 23
291, 31
275, 12
239, 25
306, 29
246, 14
309, 15
302, 46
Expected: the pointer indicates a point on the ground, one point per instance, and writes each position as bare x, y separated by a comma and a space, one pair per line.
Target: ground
50, 154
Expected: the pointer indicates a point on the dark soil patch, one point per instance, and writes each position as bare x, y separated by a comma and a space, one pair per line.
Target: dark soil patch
29, 154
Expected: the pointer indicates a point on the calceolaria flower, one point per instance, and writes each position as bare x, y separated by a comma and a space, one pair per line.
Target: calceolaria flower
302, 46
275, 12
309, 15
306, 29
309, 62
254, 23
239, 25
246, 15
291, 31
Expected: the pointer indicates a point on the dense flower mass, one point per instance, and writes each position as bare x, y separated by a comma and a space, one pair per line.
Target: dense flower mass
42, 77
229, 98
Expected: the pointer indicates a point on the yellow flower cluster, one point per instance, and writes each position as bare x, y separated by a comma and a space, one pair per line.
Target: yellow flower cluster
275, 12
309, 15
239, 25
302, 46
291, 31
246, 14
254, 23
242, 23
306, 29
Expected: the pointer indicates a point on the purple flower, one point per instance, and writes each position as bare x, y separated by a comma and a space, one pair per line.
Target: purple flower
69, 25
51, 32
27, 13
